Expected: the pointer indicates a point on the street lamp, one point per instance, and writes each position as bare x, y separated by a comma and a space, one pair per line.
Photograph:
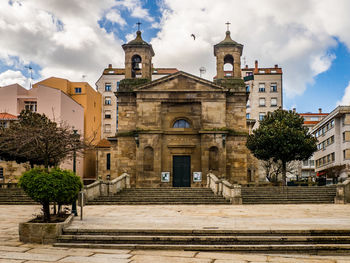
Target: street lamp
74, 204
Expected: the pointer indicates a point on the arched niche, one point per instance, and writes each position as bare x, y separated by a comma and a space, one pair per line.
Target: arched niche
214, 158
148, 159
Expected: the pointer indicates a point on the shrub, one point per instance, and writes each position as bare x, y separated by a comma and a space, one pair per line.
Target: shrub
44, 187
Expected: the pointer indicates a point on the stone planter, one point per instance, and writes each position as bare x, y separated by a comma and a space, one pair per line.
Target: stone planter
42, 233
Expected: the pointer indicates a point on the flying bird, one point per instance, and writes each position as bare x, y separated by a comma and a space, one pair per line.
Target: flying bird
194, 37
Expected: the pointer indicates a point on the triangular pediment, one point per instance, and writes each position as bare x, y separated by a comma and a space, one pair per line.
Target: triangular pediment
178, 82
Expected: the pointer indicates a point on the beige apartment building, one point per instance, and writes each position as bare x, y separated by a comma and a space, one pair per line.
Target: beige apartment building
266, 89
108, 84
307, 167
332, 158
54, 103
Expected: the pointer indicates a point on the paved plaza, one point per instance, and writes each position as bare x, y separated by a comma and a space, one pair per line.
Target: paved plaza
173, 217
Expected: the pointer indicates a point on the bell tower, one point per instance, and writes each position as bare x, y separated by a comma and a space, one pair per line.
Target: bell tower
228, 57
138, 58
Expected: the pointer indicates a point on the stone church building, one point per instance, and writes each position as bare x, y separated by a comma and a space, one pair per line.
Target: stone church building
174, 130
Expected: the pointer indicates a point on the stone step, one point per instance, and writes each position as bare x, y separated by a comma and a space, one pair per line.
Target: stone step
158, 203
206, 232
204, 240
295, 248
156, 198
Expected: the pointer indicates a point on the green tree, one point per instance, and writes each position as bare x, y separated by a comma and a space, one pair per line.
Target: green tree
36, 139
57, 186
282, 138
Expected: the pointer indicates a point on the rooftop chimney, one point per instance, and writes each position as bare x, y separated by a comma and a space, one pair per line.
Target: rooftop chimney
276, 65
109, 65
319, 110
256, 64
246, 66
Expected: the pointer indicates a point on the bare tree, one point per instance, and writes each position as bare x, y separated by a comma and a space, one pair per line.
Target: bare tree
36, 139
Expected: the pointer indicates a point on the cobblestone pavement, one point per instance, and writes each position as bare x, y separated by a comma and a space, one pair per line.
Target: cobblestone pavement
278, 217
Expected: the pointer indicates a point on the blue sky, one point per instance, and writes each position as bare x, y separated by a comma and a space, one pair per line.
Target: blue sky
309, 39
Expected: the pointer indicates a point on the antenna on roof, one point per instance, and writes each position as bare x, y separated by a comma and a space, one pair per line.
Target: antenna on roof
202, 70
31, 75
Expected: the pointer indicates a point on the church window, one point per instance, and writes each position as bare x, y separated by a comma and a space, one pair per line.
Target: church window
181, 124
148, 159
108, 161
213, 159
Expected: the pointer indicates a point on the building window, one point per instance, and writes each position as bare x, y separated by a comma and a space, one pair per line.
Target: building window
108, 87
248, 104
181, 124
30, 106
247, 88
332, 157
108, 114
1, 173
148, 159
305, 162
262, 102
108, 101
3, 124
77, 90
261, 87
108, 161
118, 83
108, 128
261, 71
312, 162
261, 116
248, 115
273, 87
273, 102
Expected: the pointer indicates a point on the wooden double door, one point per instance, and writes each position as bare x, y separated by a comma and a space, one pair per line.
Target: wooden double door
182, 171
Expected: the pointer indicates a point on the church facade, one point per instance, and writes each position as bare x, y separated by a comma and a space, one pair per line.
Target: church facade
174, 130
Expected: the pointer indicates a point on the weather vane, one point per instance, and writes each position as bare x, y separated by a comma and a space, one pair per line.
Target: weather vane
228, 25
138, 25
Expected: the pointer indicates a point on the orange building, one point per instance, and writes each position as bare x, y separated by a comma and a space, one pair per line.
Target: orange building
90, 100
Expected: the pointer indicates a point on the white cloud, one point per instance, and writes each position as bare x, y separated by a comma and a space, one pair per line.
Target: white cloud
135, 8
296, 35
115, 17
10, 77
63, 37
346, 97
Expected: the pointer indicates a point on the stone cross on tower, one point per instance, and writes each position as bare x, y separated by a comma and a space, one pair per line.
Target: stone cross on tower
138, 25
228, 25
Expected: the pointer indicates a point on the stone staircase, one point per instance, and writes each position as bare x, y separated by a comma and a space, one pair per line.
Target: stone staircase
14, 196
289, 195
161, 196
255, 241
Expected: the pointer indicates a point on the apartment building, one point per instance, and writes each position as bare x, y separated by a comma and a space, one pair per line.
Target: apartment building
266, 89
107, 85
54, 103
307, 167
332, 158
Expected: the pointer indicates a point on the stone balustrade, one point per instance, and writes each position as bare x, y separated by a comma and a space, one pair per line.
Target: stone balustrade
224, 188
343, 193
105, 188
